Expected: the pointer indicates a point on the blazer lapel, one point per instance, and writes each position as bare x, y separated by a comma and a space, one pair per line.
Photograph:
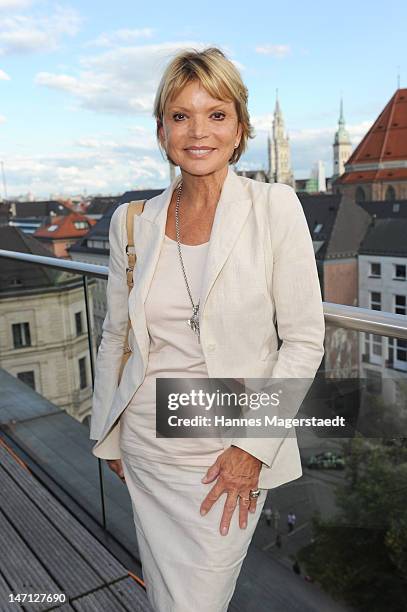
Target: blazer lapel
149, 230
231, 212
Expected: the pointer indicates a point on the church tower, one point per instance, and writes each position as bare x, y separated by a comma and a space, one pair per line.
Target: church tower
342, 146
279, 151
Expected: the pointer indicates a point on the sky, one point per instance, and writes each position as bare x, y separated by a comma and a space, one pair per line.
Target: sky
77, 82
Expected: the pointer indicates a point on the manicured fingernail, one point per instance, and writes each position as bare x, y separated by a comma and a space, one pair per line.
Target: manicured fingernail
203, 511
224, 530
244, 525
203, 479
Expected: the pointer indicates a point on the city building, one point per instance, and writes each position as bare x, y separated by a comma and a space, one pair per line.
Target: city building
43, 331
64, 230
278, 147
342, 147
377, 169
382, 270
29, 216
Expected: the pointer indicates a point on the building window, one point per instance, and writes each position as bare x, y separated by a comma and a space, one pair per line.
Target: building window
367, 343
98, 244
375, 269
21, 335
400, 304
399, 272
397, 354
82, 373
78, 323
373, 349
401, 351
377, 345
396, 207
373, 382
360, 195
27, 378
375, 300
390, 194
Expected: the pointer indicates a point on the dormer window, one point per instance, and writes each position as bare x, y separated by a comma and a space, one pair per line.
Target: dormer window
81, 224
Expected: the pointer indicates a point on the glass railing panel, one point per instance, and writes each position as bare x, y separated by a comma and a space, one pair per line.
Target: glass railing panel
347, 535
46, 391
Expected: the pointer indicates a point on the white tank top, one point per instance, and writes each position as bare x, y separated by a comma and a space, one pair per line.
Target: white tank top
174, 353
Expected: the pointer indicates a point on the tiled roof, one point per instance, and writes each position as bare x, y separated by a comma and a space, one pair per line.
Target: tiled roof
41, 208
386, 209
19, 275
100, 205
349, 228
386, 237
139, 194
368, 176
320, 210
65, 226
385, 144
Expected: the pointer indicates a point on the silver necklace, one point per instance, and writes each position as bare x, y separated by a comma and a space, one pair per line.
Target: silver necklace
193, 322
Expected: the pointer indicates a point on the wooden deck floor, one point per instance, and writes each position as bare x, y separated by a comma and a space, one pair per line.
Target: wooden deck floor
45, 549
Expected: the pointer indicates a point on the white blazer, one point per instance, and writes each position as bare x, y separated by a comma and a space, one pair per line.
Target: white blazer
260, 268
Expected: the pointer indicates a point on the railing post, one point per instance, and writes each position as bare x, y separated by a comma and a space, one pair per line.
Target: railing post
92, 370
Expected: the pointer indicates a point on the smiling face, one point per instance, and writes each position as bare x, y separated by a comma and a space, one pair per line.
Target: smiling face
199, 132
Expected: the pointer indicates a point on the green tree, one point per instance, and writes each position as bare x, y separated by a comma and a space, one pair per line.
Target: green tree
360, 555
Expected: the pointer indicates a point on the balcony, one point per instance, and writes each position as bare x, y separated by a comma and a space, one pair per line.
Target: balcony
67, 519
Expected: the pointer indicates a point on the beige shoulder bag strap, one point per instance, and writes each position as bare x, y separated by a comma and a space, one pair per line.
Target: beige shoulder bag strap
134, 208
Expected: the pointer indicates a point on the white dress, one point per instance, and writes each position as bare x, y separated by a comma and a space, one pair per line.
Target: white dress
188, 566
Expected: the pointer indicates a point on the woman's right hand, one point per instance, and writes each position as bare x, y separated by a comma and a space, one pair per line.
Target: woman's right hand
116, 466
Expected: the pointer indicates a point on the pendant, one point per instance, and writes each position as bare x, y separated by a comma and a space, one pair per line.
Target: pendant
193, 322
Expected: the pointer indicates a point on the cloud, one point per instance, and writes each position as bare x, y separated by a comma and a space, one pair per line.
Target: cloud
313, 135
6, 5
122, 80
22, 34
278, 51
120, 36
102, 163
2, 119
4, 76
138, 139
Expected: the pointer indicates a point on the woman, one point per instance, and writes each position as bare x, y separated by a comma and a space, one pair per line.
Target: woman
219, 258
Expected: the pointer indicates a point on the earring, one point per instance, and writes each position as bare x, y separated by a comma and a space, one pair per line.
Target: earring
236, 145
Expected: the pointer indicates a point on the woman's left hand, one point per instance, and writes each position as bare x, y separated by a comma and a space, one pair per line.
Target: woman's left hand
238, 473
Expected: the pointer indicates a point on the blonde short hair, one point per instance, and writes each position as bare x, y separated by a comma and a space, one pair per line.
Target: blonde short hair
219, 77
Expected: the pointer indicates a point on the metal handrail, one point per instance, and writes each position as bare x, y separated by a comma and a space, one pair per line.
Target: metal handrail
68, 265
340, 315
